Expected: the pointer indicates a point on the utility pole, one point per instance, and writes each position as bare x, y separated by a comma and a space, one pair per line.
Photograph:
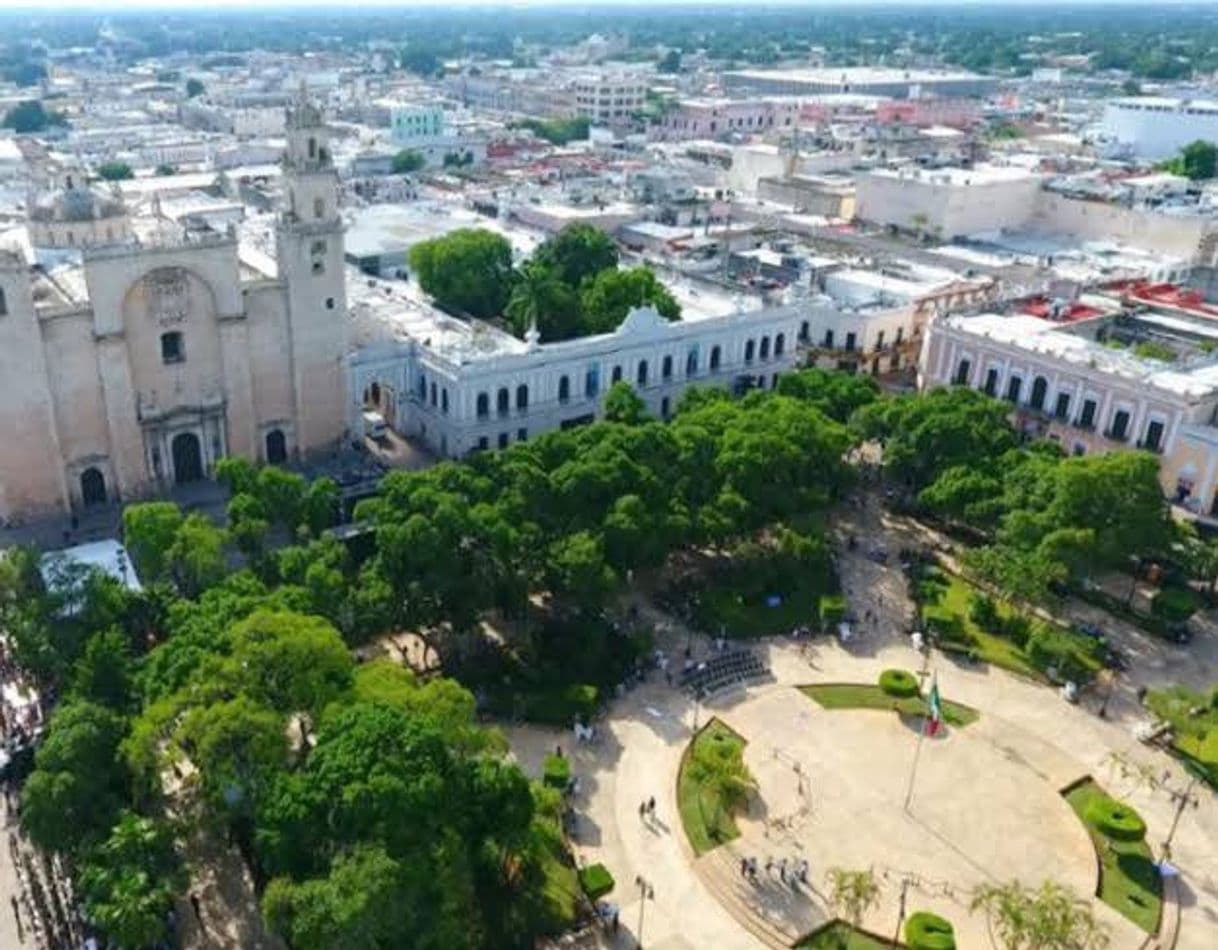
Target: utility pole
896, 937
1182, 798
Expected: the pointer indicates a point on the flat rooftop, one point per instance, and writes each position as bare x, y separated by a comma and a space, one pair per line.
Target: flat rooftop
858, 75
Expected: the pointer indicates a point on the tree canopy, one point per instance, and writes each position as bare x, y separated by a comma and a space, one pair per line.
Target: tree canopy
467, 271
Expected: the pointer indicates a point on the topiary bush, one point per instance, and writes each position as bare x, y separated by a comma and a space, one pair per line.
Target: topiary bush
556, 772
596, 881
1115, 820
899, 684
832, 610
983, 612
927, 931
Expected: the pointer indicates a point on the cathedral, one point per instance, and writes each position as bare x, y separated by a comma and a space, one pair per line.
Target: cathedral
136, 351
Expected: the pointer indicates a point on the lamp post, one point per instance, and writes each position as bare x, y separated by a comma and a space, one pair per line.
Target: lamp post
646, 893
896, 937
1182, 798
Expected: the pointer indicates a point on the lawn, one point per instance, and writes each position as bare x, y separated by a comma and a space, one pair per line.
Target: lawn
1193, 716
947, 601
706, 824
838, 935
562, 892
723, 608
1129, 881
867, 696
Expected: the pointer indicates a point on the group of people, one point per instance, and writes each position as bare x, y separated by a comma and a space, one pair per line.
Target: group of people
789, 872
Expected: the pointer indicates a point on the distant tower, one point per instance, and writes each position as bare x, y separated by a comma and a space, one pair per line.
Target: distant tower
309, 249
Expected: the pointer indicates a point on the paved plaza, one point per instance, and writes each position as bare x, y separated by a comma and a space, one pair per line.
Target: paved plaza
986, 805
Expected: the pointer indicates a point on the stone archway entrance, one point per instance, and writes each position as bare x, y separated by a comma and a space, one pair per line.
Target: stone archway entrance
187, 458
92, 487
276, 447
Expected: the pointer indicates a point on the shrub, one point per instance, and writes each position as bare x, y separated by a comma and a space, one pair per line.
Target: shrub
1016, 628
1049, 648
1175, 604
1208, 753
1115, 820
556, 772
832, 610
983, 612
561, 706
596, 881
927, 931
900, 684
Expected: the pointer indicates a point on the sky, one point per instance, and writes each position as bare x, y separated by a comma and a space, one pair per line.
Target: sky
121, 5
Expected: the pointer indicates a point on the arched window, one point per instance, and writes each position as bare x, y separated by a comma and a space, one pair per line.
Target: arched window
641, 376
749, 348
276, 447
503, 401
312, 148
522, 397
1040, 389
422, 387
444, 399
765, 347
564, 389
780, 344
92, 487
666, 368
691, 363
319, 208
432, 400
373, 396
804, 332
483, 405
3, 303
617, 374
716, 355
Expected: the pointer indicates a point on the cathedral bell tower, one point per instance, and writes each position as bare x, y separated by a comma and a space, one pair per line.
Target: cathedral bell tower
309, 250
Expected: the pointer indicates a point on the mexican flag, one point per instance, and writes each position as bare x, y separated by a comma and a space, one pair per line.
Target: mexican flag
934, 718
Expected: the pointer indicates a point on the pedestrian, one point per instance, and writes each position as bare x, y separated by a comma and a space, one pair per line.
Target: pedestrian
642, 811
617, 915
744, 867
782, 869
651, 805
17, 917
769, 865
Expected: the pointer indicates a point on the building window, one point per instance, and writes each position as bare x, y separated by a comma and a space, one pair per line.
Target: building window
1014, 384
276, 447
666, 368
765, 347
172, 348
564, 389
641, 375
92, 487
1087, 419
433, 394
592, 381
1154, 436
503, 402
749, 347
962, 372
879, 341
312, 148
522, 435
483, 444
828, 342
1062, 409
319, 208
665, 407
319, 267
522, 397
503, 440
850, 340
329, 303
691, 362
444, 400
616, 375
1040, 389
991, 382
716, 355
780, 344
900, 335
483, 405
1120, 426
3, 303
804, 331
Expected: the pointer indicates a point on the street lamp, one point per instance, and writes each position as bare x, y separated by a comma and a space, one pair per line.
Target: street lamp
1182, 798
646, 893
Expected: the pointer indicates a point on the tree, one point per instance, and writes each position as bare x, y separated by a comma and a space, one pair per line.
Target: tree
79, 784
836, 394
1048, 918
407, 161
115, 171
103, 674
128, 881
197, 555
30, 116
718, 769
622, 404
164, 170
149, 530
577, 253
418, 60
194, 87
576, 570
852, 894
540, 299
611, 294
468, 271
671, 62
1198, 160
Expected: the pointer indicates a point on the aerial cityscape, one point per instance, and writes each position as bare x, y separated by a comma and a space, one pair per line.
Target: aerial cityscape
522, 476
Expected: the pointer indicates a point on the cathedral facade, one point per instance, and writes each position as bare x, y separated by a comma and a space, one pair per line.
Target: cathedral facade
134, 364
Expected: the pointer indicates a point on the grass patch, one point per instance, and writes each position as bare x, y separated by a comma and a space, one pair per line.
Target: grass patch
867, 696
840, 935
561, 894
1193, 717
1129, 881
947, 602
596, 881
707, 823
742, 617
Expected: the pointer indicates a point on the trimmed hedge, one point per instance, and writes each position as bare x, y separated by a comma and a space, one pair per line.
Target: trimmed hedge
1175, 604
832, 610
596, 881
900, 684
927, 931
1115, 820
556, 772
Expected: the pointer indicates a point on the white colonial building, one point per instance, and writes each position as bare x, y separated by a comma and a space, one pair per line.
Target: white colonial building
136, 351
460, 387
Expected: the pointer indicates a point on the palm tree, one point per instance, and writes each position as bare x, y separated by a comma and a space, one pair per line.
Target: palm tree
851, 895
717, 766
1048, 918
540, 299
